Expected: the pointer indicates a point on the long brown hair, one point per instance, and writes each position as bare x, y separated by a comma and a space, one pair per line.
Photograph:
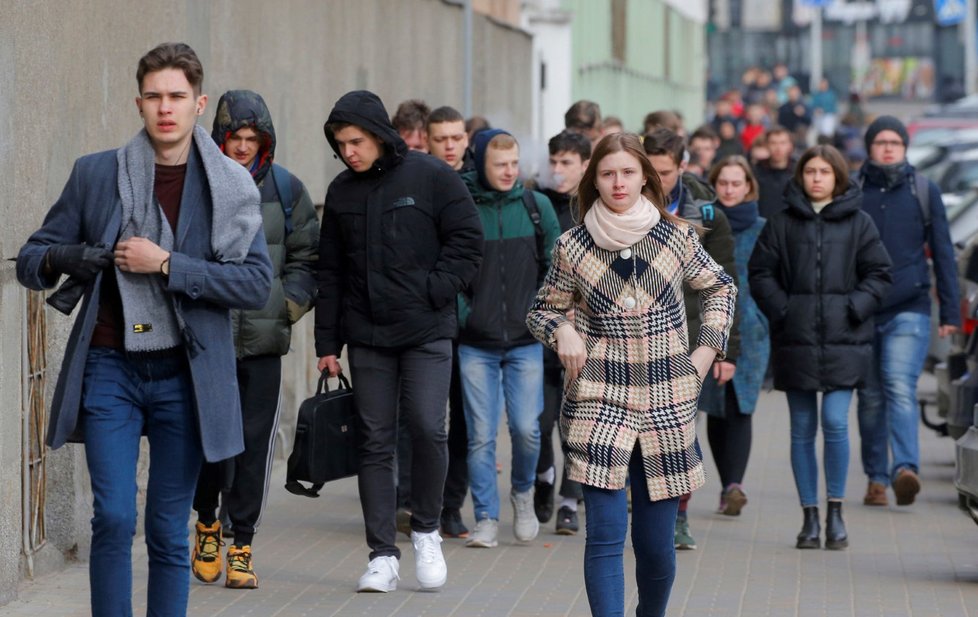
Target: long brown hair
587, 191
835, 160
736, 160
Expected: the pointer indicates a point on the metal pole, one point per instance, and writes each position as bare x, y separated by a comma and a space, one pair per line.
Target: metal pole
970, 50
467, 44
816, 33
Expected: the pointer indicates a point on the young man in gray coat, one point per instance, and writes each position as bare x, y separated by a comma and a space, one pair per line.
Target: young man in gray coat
151, 349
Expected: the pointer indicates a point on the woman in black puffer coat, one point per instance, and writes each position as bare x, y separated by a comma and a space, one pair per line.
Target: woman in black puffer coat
819, 272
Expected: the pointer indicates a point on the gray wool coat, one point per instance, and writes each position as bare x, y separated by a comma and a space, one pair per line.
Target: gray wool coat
90, 211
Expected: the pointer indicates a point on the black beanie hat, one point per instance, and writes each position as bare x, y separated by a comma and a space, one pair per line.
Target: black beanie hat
886, 123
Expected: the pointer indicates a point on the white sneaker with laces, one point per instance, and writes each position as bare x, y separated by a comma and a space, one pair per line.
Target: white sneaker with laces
381, 575
525, 523
429, 563
484, 535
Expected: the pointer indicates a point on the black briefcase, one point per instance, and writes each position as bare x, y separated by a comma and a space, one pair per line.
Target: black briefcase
327, 439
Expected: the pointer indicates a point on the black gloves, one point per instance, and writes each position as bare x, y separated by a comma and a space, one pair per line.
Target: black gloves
78, 261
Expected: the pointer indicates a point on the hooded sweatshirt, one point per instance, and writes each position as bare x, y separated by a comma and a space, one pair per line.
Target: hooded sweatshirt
268, 331
398, 242
492, 311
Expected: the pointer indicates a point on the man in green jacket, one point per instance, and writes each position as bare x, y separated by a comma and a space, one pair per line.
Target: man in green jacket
243, 131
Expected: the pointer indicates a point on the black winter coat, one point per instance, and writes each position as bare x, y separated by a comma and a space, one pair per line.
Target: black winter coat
398, 243
771, 183
819, 278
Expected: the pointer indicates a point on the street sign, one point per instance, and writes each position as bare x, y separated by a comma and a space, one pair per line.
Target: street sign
816, 3
950, 12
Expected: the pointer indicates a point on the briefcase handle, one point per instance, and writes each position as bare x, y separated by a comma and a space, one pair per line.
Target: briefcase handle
323, 387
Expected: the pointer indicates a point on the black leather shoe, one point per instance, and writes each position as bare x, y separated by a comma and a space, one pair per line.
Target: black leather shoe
835, 528
543, 501
566, 522
810, 529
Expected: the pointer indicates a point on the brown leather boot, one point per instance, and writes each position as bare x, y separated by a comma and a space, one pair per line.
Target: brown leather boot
906, 486
876, 495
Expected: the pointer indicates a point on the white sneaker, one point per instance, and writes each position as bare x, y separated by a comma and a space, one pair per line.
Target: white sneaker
484, 535
525, 523
381, 575
429, 563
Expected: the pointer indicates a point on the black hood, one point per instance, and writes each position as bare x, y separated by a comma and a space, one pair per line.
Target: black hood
364, 109
842, 206
238, 109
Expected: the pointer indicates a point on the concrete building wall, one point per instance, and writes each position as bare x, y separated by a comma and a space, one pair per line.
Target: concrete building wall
664, 61
67, 84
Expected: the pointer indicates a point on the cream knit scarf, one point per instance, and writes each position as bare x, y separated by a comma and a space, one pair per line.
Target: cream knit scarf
613, 231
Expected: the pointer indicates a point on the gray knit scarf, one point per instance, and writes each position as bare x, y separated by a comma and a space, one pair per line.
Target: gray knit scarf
151, 321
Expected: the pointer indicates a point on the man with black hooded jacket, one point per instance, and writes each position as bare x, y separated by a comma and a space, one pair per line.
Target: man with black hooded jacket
400, 239
243, 130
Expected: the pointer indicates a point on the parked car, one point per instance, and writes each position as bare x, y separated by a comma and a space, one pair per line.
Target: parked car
924, 154
964, 390
956, 176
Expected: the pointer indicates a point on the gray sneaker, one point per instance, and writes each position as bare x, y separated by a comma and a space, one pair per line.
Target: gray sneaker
525, 523
484, 535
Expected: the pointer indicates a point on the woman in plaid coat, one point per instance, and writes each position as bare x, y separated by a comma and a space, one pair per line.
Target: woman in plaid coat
632, 385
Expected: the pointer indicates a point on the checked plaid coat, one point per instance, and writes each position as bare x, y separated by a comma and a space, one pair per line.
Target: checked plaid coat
638, 382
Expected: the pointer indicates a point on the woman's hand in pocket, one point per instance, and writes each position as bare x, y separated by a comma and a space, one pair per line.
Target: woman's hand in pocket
571, 350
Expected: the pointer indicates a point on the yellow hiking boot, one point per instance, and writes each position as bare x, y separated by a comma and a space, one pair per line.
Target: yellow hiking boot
241, 573
206, 560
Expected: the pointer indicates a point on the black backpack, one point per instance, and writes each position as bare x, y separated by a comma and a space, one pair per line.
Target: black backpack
534, 213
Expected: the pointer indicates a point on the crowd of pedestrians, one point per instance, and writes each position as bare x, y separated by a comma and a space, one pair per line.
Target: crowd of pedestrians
646, 278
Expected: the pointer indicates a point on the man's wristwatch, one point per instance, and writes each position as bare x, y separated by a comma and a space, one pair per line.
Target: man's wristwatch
165, 267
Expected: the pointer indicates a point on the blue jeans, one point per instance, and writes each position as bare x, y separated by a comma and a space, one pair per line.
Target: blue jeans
490, 377
888, 399
653, 527
803, 406
122, 400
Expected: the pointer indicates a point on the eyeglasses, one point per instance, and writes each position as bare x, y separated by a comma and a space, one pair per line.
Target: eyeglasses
887, 144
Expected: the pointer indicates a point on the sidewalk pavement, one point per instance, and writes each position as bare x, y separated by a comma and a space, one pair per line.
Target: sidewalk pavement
912, 561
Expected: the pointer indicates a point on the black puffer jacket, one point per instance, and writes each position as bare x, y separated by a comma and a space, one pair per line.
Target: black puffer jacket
819, 278
398, 242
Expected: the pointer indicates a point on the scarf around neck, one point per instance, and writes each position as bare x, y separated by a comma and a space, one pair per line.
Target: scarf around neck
741, 216
151, 322
886, 176
613, 231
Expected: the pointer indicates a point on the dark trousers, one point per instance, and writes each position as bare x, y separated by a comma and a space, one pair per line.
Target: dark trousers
246, 476
457, 481
730, 440
553, 396
416, 379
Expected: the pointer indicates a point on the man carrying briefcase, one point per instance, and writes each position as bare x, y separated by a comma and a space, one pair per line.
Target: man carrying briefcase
400, 238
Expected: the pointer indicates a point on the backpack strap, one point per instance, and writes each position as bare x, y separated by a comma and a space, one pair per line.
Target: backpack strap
283, 185
921, 190
709, 214
530, 203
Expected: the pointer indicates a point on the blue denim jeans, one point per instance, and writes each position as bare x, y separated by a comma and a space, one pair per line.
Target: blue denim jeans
491, 377
803, 406
653, 528
122, 400
888, 400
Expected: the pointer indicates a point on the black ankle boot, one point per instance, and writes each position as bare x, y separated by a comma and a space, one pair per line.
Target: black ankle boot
835, 527
810, 529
